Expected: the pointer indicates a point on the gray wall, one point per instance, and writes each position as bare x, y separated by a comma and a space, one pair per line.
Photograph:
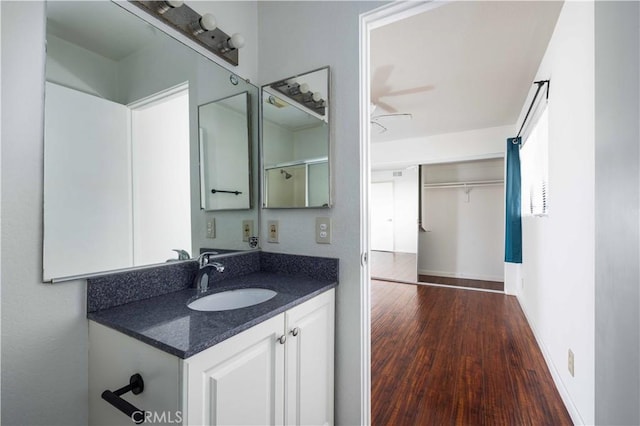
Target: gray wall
617, 275
44, 334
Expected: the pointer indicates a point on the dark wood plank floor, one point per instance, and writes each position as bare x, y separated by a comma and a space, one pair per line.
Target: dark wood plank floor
443, 356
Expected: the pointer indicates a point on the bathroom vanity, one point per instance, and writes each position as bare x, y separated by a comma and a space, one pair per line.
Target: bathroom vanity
267, 364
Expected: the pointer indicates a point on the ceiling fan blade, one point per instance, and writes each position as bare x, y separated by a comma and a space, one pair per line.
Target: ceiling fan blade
379, 80
385, 106
411, 91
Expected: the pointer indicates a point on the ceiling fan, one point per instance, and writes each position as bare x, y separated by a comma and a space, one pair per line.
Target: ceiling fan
381, 89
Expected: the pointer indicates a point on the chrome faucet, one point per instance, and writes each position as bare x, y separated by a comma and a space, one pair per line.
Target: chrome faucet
204, 262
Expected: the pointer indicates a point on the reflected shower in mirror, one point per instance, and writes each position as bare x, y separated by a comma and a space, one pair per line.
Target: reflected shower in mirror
295, 141
121, 148
225, 174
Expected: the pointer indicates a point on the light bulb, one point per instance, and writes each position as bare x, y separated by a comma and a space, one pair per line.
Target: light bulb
304, 88
207, 22
317, 96
236, 41
168, 5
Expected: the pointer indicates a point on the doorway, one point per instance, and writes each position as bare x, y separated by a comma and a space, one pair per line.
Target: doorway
394, 217
160, 124
460, 108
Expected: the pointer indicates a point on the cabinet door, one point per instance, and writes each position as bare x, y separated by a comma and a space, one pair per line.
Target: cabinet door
239, 381
309, 359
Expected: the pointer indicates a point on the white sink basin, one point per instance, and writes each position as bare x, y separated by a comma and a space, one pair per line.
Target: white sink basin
232, 299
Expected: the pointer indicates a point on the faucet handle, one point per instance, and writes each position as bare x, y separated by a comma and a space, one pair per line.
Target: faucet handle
182, 254
205, 258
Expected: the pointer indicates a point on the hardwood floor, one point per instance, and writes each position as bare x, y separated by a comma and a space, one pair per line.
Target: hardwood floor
443, 356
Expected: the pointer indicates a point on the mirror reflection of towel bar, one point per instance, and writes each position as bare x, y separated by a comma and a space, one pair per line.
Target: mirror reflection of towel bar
215, 191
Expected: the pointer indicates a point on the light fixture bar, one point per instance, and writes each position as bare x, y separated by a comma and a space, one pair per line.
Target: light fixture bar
183, 18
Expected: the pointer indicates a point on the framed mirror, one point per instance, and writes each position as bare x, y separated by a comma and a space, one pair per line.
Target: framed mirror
296, 148
225, 153
122, 180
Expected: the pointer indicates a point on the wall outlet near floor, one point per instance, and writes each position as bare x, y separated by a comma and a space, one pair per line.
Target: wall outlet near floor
211, 228
247, 230
571, 360
273, 232
323, 230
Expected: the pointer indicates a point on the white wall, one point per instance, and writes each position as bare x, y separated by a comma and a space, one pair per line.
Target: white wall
470, 145
87, 194
617, 275
464, 235
280, 56
44, 330
405, 207
558, 251
74, 67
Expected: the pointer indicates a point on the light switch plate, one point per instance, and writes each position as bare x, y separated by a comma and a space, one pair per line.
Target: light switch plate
247, 230
323, 230
211, 228
272, 231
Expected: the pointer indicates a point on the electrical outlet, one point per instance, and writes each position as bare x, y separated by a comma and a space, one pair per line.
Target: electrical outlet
211, 228
571, 361
247, 230
323, 230
272, 229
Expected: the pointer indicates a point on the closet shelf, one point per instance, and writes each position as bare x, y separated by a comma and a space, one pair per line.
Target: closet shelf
470, 184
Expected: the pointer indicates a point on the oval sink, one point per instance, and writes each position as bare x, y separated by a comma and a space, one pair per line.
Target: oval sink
232, 299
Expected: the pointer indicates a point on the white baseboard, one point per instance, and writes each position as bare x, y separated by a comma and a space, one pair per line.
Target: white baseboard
555, 375
461, 275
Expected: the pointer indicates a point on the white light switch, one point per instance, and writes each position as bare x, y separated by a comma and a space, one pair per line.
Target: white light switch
323, 230
272, 230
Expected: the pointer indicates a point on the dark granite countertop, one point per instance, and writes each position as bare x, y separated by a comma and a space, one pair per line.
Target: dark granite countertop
166, 322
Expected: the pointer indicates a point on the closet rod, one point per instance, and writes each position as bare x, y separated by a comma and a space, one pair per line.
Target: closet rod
540, 84
463, 184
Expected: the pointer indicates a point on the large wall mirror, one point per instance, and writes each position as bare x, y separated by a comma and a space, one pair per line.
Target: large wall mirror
295, 141
127, 110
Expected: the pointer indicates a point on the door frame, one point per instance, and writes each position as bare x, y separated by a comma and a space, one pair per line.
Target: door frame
369, 21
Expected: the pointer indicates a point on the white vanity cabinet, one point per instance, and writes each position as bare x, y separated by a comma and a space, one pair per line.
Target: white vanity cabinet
279, 372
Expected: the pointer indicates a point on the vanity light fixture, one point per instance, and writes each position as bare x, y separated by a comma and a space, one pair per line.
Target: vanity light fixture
202, 29
168, 5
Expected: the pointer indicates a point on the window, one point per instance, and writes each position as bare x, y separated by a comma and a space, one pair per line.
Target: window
534, 166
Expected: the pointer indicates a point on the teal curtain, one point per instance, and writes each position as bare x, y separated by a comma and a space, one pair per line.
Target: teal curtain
513, 226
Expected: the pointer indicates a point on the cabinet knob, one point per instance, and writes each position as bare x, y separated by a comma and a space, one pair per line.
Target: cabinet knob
282, 339
294, 332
